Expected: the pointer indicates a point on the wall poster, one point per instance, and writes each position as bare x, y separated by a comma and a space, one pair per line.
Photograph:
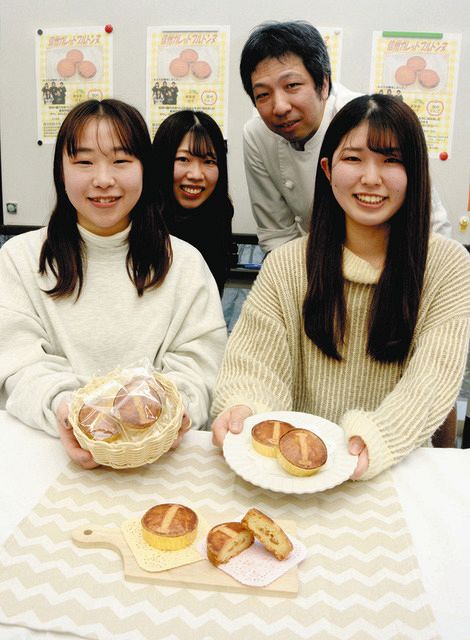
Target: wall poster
421, 69
72, 65
187, 68
333, 37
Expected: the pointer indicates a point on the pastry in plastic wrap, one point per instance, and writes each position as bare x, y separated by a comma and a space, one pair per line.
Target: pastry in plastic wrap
138, 405
98, 425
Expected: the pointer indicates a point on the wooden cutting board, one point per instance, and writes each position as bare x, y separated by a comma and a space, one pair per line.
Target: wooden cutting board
198, 575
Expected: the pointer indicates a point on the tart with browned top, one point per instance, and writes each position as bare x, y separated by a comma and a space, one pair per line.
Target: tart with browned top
301, 452
169, 526
138, 404
265, 436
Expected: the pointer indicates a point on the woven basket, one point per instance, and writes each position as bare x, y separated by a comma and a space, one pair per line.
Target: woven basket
144, 447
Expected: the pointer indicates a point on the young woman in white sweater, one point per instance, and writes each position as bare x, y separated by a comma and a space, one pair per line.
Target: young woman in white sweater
366, 322
104, 285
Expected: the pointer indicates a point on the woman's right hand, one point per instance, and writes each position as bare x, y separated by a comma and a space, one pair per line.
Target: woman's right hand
229, 420
71, 445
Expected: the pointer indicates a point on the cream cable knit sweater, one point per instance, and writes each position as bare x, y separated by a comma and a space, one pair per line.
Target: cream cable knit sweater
49, 347
270, 364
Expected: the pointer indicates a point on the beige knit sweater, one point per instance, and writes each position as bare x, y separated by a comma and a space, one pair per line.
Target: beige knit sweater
270, 364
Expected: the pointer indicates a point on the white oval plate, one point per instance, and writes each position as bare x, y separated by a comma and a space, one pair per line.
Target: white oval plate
268, 474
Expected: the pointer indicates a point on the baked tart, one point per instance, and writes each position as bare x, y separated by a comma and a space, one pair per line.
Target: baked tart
268, 532
227, 540
169, 527
301, 452
138, 404
265, 436
98, 425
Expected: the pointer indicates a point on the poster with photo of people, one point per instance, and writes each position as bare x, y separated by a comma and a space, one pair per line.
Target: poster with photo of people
72, 65
187, 68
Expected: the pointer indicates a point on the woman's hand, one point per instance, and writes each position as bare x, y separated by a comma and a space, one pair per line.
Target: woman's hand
357, 447
185, 426
229, 420
71, 446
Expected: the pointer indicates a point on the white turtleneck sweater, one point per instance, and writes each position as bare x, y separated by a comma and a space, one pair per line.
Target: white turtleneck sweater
50, 347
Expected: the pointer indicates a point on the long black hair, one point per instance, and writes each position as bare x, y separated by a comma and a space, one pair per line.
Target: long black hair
209, 226
396, 299
63, 252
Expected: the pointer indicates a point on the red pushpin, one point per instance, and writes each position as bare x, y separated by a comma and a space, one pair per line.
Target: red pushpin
443, 155
109, 28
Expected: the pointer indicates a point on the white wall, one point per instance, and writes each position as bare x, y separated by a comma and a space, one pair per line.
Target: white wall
27, 168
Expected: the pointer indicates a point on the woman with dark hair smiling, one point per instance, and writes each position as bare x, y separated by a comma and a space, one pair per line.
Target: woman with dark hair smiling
192, 184
366, 322
104, 285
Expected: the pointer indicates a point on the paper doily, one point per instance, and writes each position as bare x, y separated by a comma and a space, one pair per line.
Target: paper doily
151, 559
256, 567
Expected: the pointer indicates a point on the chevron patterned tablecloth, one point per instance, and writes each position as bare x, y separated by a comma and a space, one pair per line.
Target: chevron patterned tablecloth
360, 579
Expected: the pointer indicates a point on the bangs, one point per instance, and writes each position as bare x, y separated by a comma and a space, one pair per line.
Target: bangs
381, 138
200, 143
118, 127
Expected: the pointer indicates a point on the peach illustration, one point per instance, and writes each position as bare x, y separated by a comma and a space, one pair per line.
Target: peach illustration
201, 69
86, 69
65, 68
179, 68
404, 75
75, 55
428, 78
189, 55
416, 62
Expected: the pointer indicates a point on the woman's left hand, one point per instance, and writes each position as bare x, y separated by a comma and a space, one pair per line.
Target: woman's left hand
185, 426
69, 441
357, 447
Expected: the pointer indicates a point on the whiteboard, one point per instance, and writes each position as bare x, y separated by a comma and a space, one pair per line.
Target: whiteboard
27, 167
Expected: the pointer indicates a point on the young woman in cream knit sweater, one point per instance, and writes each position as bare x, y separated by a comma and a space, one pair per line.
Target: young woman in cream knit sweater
366, 322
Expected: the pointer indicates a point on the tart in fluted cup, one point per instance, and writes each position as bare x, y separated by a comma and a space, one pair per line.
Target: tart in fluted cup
169, 527
265, 436
301, 452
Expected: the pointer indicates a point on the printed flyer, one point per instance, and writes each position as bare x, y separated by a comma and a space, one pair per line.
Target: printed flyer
187, 68
72, 65
421, 69
333, 37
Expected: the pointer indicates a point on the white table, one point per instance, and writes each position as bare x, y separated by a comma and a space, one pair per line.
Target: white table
433, 486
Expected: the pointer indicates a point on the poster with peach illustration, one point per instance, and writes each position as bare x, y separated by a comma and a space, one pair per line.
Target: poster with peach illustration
421, 69
187, 68
72, 65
